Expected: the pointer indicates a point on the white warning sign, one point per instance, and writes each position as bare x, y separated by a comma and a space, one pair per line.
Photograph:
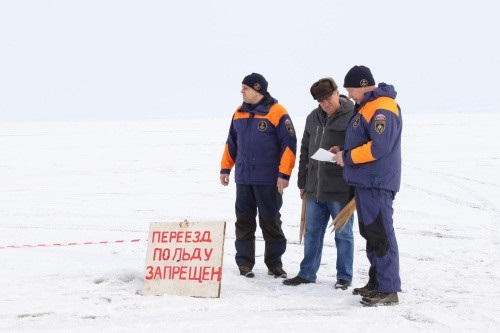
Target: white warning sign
184, 258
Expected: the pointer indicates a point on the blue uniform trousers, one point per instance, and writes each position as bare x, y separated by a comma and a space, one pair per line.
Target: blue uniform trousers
374, 207
266, 200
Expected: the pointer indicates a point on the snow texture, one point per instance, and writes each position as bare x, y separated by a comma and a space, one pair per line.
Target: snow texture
77, 182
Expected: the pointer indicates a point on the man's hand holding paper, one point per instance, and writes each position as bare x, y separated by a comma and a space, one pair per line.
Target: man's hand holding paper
323, 155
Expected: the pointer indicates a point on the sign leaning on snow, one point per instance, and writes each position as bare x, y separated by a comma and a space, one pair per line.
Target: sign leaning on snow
184, 258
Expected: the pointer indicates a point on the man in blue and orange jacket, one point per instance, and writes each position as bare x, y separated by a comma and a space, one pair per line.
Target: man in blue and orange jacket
261, 145
371, 158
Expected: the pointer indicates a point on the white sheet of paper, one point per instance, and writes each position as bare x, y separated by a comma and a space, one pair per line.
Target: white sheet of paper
323, 155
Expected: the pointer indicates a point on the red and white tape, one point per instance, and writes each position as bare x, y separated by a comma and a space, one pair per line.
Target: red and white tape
68, 244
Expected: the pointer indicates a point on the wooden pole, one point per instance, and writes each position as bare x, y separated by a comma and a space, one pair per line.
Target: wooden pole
302, 230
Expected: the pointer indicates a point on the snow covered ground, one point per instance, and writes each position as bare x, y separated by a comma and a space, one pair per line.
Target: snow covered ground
106, 181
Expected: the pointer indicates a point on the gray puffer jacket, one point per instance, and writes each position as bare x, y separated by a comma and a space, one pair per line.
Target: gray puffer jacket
323, 181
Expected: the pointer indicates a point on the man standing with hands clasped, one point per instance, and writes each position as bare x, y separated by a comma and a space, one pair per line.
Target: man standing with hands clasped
371, 158
261, 145
323, 186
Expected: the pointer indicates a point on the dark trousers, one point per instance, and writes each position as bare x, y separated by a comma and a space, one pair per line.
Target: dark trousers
374, 207
266, 200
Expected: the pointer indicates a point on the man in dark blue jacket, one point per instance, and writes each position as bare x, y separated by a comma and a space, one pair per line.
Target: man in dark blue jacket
371, 158
261, 145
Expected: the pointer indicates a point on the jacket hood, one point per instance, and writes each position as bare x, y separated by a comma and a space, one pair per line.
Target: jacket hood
386, 90
346, 105
383, 90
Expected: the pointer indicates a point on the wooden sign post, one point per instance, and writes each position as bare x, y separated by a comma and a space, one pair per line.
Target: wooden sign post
184, 258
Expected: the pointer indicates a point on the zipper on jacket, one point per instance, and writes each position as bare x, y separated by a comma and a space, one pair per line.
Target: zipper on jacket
319, 162
247, 157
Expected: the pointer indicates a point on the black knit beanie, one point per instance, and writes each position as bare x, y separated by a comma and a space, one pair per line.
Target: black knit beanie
257, 82
359, 76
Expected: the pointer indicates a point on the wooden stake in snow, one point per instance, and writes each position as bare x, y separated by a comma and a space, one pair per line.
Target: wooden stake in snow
302, 230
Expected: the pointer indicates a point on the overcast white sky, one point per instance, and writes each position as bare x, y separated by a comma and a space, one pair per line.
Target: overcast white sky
124, 59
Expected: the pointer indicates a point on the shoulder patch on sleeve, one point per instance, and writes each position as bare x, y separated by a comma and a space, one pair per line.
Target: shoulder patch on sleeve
289, 127
380, 123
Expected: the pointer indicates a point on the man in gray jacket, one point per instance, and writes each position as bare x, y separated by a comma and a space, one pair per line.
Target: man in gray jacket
323, 184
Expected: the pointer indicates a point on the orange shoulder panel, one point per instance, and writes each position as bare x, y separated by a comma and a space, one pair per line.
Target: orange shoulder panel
275, 113
385, 103
240, 115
